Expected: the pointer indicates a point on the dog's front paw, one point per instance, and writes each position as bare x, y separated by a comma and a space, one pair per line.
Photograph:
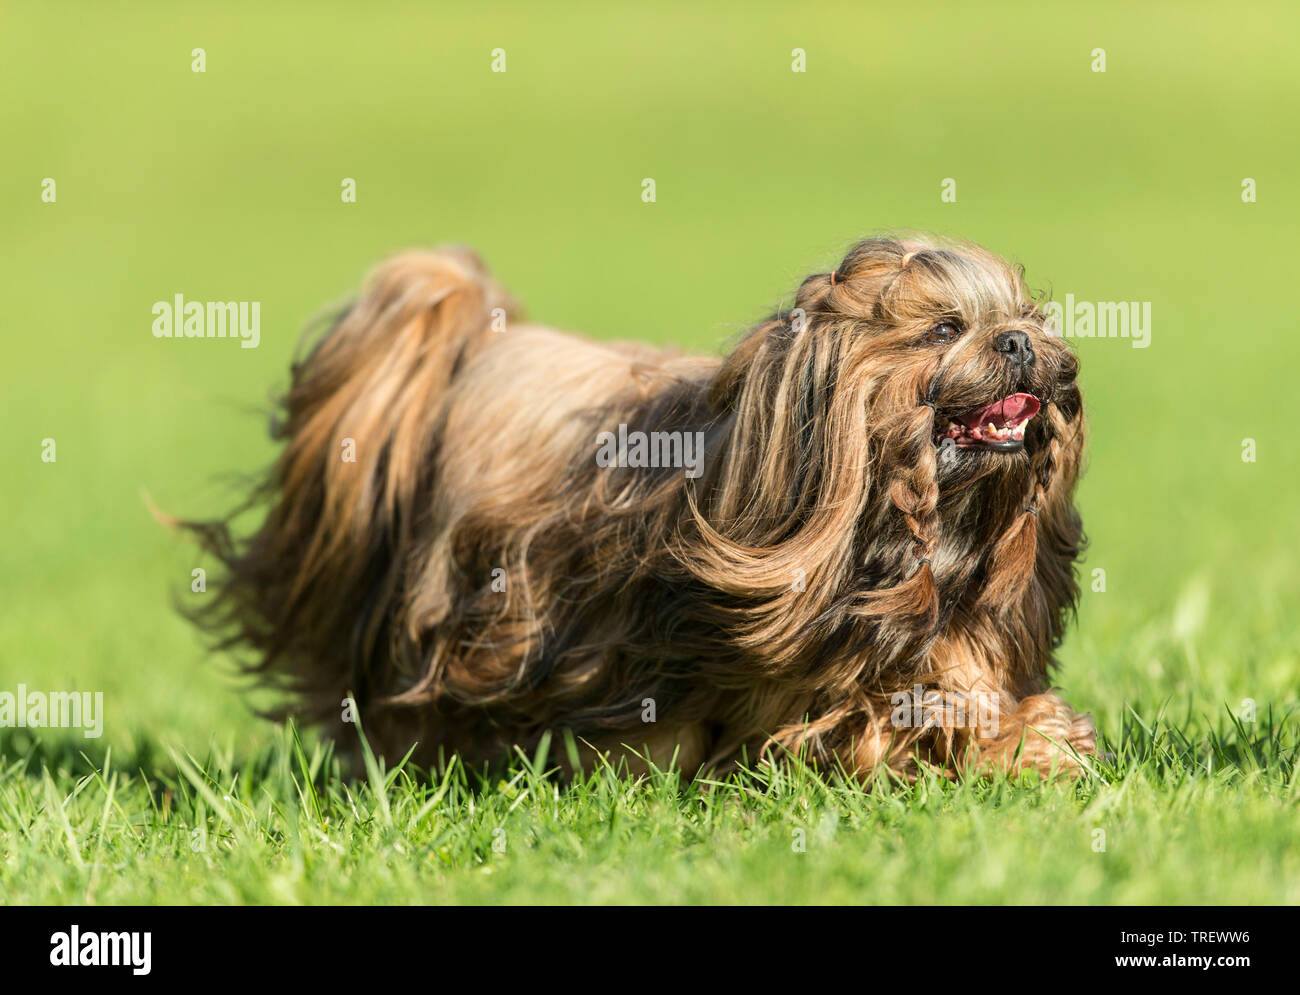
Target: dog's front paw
1083, 735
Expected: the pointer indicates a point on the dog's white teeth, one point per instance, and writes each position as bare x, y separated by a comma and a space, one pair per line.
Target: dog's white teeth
994, 432
983, 433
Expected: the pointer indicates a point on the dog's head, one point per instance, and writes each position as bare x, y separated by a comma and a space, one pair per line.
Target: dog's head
914, 399
950, 335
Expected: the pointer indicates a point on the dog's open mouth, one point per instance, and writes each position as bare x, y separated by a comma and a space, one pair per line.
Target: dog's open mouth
1000, 425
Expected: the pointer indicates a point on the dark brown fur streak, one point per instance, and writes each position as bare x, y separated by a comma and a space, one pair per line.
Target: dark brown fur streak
828, 556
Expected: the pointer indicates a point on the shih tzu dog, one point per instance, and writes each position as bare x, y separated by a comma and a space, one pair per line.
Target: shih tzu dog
853, 537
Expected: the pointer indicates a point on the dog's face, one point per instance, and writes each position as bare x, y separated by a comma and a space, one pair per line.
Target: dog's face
948, 334
916, 401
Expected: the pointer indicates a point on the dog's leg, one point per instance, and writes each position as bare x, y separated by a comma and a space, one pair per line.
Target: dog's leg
954, 732
983, 719
1042, 732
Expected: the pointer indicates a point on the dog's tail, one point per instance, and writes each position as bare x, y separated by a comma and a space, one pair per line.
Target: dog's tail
363, 405
315, 593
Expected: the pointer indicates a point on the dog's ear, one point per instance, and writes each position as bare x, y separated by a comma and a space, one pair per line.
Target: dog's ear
795, 430
783, 502
1060, 529
1060, 543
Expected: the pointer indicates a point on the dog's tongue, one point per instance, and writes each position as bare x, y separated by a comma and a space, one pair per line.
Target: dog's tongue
1010, 411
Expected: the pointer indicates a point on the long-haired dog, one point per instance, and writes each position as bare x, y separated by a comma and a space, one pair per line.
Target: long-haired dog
852, 537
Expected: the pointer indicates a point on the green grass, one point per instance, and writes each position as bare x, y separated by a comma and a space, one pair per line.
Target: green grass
1123, 185
283, 827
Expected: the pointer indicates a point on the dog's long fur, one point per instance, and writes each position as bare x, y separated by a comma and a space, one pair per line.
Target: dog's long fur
474, 578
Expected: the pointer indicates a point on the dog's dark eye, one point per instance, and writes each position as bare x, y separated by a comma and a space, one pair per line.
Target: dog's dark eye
944, 332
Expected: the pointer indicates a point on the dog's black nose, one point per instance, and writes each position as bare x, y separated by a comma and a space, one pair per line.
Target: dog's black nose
1016, 347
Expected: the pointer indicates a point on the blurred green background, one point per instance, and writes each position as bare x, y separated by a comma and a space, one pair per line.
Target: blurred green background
225, 185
